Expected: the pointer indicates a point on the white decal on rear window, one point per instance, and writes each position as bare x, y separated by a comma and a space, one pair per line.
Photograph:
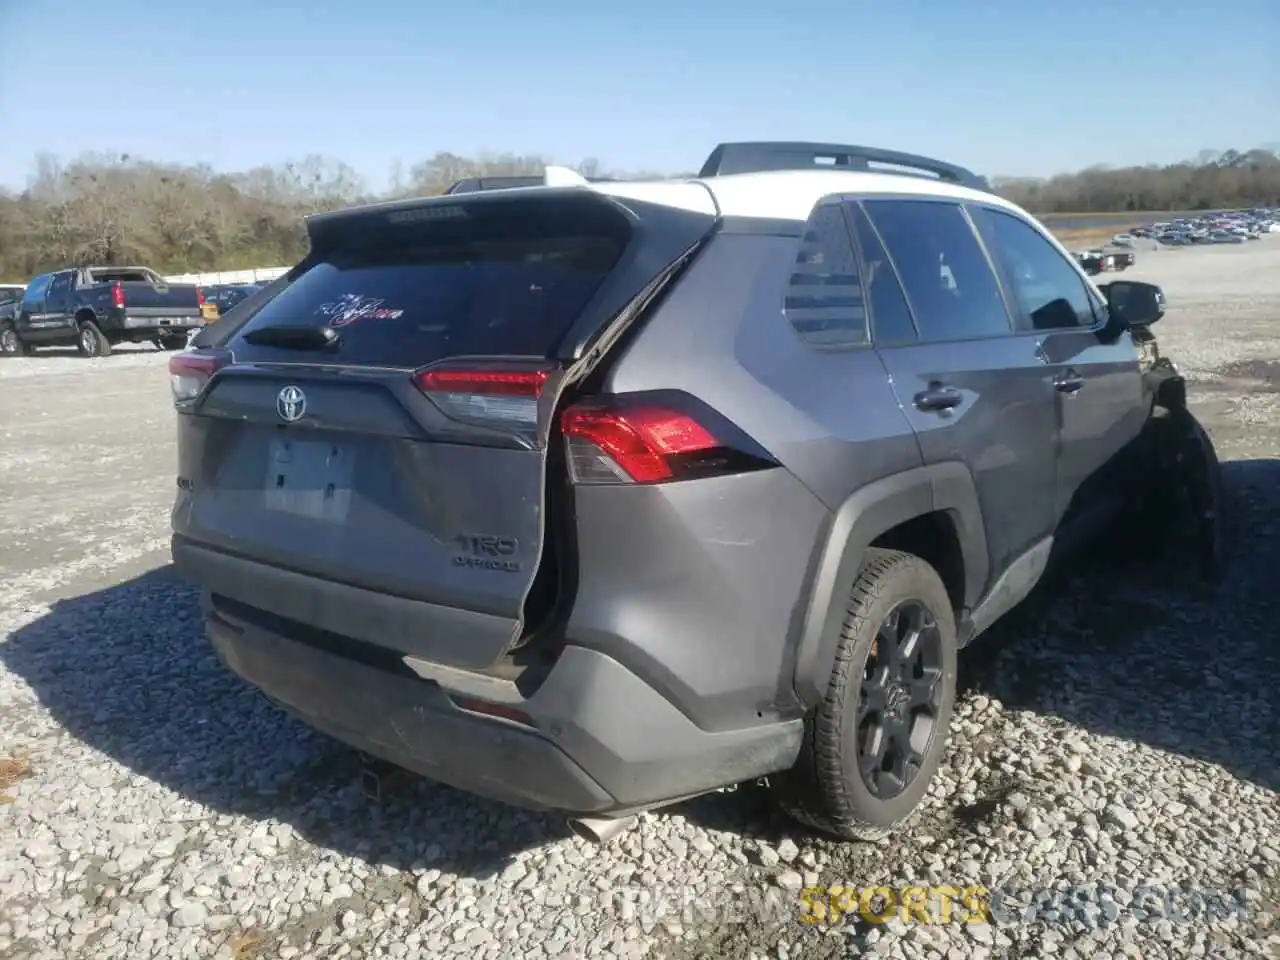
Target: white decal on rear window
350, 307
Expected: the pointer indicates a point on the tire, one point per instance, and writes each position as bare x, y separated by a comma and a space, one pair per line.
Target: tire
174, 341
11, 344
1189, 514
1201, 505
826, 789
92, 342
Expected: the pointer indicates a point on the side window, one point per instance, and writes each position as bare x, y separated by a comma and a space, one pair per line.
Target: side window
891, 321
61, 284
824, 296
949, 283
1048, 290
35, 291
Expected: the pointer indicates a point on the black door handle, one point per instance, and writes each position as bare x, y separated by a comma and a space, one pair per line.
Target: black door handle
1069, 382
938, 397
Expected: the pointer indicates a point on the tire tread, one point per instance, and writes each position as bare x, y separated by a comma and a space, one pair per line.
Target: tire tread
814, 792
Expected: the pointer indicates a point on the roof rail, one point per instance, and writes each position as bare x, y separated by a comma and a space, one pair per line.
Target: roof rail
758, 157
477, 184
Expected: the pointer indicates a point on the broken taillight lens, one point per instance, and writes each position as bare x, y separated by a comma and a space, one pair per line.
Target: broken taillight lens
496, 398
191, 370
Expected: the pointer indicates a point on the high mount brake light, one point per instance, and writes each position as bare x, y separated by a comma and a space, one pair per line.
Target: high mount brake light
624, 441
503, 399
189, 371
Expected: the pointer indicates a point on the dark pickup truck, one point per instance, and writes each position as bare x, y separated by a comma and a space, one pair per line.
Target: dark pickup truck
1121, 259
96, 308
1095, 262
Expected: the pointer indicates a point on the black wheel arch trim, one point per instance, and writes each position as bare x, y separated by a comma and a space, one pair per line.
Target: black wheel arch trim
867, 514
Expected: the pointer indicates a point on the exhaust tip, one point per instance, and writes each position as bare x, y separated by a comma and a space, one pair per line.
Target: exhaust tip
600, 830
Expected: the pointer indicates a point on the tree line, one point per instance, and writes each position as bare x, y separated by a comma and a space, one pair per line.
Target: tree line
116, 208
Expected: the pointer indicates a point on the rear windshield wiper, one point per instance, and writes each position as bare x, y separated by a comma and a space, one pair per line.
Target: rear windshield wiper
293, 338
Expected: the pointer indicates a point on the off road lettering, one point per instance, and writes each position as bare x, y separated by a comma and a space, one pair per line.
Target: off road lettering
488, 545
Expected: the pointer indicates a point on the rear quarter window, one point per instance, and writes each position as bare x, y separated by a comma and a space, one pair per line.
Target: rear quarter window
824, 292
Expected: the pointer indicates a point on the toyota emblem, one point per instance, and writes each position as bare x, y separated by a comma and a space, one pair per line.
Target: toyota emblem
291, 404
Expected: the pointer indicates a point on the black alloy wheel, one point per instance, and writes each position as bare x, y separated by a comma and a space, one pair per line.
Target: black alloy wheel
898, 702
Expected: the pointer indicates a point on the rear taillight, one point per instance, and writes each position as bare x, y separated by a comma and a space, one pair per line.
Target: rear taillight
117, 295
190, 371
640, 440
199, 297
501, 399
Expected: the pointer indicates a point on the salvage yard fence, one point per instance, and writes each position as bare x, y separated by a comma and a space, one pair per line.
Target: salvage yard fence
220, 277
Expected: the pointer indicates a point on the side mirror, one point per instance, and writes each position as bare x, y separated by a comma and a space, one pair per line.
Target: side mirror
1132, 303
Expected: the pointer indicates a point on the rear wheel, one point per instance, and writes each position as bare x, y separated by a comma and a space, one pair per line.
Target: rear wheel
92, 341
11, 344
172, 341
874, 743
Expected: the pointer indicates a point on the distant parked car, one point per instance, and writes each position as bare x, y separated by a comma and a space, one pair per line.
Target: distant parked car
220, 299
1223, 236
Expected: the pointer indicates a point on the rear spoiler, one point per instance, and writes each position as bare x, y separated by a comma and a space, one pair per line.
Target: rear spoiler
558, 184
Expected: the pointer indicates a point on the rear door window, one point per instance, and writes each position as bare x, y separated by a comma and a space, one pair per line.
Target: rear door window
890, 316
410, 296
954, 294
59, 288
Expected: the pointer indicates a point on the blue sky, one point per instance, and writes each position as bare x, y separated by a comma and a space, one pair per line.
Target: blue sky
1002, 86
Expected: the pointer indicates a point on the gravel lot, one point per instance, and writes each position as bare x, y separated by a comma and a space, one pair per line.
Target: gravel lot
1119, 730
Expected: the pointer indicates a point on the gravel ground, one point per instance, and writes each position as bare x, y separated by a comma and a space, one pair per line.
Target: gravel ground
1118, 731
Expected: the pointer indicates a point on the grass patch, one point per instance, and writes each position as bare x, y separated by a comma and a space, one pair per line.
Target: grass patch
246, 945
12, 769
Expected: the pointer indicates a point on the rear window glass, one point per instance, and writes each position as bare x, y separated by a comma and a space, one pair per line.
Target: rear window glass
122, 276
405, 299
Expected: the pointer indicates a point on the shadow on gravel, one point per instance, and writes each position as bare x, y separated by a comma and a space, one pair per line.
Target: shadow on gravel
127, 671
1133, 651
72, 353
1114, 649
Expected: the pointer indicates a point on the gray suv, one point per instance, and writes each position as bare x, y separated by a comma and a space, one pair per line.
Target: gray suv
594, 497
